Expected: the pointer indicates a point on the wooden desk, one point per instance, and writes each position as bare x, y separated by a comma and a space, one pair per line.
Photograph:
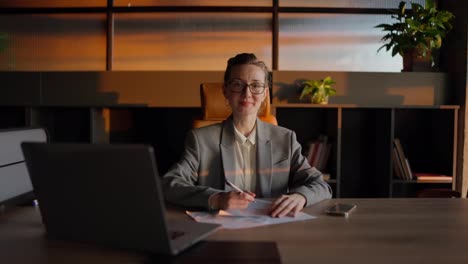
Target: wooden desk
378, 231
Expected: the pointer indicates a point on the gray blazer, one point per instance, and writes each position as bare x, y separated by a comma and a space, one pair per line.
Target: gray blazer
208, 159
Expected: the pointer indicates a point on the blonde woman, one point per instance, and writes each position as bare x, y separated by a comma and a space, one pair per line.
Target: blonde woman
228, 165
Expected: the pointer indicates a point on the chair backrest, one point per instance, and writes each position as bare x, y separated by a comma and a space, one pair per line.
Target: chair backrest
215, 108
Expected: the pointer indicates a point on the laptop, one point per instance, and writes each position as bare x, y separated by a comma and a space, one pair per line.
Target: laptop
107, 194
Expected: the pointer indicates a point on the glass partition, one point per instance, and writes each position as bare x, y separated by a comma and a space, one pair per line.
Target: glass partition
53, 42
192, 3
53, 3
346, 3
333, 42
189, 41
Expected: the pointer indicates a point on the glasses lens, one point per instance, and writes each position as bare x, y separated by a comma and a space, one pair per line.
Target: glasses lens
257, 88
236, 86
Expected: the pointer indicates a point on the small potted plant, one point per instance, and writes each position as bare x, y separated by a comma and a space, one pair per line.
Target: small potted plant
416, 33
318, 90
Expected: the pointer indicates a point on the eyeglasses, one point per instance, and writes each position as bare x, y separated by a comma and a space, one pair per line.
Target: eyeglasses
239, 86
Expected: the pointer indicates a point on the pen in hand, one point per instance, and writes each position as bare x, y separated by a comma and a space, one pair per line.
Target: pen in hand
235, 187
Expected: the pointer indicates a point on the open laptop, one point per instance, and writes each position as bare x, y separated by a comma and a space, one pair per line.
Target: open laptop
106, 194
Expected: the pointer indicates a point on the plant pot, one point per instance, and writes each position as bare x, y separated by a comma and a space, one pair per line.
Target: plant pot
421, 63
319, 99
408, 56
414, 61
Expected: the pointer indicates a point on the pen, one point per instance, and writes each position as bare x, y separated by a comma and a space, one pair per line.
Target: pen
234, 186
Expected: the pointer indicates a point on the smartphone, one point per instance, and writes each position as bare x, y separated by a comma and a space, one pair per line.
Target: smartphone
340, 209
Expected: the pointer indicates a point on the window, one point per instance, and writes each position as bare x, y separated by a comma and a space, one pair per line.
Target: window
54, 42
333, 42
53, 3
192, 3
180, 38
346, 3
189, 41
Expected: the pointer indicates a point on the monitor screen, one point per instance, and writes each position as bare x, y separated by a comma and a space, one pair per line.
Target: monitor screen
15, 184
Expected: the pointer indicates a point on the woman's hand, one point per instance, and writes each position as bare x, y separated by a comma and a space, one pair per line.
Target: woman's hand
233, 200
287, 205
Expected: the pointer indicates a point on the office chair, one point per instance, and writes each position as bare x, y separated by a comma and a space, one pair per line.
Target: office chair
215, 108
438, 193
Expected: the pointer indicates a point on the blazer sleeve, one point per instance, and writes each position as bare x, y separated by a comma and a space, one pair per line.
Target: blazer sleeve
304, 179
180, 182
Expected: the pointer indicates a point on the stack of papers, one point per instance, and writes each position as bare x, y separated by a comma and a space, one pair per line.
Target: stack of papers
256, 214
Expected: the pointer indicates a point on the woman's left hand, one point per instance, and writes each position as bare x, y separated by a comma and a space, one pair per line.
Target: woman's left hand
287, 205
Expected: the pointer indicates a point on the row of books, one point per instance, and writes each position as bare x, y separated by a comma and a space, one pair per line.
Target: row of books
319, 153
402, 168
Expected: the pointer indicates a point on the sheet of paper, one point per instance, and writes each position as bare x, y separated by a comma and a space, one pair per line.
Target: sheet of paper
254, 215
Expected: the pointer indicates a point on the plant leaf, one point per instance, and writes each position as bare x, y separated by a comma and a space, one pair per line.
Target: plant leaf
402, 7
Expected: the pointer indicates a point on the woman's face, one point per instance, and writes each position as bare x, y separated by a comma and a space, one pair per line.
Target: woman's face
242, 101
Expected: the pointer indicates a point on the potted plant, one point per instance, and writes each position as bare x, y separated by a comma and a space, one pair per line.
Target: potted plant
416, 33
318, 90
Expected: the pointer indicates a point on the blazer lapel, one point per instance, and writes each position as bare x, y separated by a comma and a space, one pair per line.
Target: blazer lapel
264, 160
226, 148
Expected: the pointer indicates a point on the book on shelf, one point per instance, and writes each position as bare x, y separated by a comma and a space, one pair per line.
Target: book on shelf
397, 168
408, 167
432, 177
403, 161
323, 159
314, 162
319, 152
312, 151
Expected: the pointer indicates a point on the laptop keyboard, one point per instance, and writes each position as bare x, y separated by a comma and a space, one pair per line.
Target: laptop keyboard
175, 234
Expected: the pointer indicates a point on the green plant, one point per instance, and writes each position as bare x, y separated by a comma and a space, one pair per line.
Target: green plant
421, 29
318, 90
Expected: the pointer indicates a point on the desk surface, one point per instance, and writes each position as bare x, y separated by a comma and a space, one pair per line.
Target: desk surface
378, 231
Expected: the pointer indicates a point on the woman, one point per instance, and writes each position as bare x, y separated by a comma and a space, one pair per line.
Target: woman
261, 159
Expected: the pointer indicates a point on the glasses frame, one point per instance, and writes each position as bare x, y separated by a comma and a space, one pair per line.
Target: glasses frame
229, 83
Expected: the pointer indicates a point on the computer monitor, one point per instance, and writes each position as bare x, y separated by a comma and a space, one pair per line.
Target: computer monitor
15, 184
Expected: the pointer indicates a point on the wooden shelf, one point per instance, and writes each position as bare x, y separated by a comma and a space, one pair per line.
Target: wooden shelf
361, 137
420, 182
306, 105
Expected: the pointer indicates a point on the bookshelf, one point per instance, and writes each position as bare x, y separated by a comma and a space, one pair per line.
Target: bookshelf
428, 137
309, 124
360, 164
361, 132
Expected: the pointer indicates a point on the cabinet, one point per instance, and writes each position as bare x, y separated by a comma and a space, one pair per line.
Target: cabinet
360, 164
429, 137
127, 107
162, 127
12, 116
